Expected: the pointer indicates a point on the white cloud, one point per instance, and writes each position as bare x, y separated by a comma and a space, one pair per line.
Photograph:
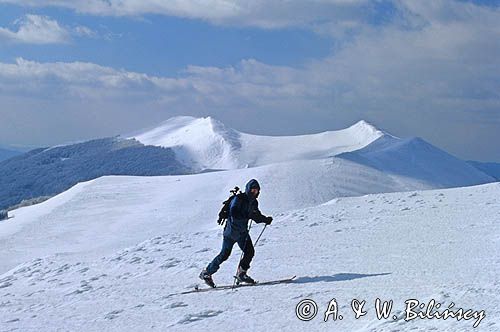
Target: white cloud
260, 13
35, 29
84, 31
79, 80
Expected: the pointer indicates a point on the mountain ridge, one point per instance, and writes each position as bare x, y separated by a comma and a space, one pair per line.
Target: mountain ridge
206, 143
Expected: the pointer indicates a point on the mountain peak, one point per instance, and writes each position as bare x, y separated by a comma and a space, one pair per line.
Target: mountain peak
201, 143
207, 123
364, 126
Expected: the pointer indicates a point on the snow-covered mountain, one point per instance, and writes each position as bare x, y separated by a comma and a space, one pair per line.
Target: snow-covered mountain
387, 164
351, 220
375, 162
185, 144
206, 143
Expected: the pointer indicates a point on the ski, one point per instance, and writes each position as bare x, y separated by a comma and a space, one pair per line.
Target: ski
226, 287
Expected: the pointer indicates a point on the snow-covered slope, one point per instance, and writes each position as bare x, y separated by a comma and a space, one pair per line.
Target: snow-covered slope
206, 143
122, 204
198, 143
79, 221
415, 158
490, 168
436, 244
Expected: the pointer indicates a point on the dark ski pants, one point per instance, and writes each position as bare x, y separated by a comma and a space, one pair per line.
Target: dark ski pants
227, 246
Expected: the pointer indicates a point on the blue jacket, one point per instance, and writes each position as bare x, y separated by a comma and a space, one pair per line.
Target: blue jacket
242, 208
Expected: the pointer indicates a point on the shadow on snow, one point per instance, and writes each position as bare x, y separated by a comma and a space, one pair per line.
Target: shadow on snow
335, 277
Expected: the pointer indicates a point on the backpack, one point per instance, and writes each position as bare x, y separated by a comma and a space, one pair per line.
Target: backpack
224, 211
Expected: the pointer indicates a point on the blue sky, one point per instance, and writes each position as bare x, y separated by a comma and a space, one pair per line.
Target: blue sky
84, 69
164, 45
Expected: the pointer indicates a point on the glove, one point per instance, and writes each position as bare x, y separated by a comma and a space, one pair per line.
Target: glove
268, 220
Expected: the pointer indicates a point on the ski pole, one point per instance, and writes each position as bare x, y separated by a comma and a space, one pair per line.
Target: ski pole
255, 244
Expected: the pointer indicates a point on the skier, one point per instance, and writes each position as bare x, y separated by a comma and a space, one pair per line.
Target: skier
242, 207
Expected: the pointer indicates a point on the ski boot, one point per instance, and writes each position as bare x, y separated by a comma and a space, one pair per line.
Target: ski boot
207, 278
243, 277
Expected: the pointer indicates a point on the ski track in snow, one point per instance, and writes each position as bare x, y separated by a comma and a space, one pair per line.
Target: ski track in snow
441, 244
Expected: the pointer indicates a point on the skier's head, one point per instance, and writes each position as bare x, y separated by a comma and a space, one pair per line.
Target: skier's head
252, 189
